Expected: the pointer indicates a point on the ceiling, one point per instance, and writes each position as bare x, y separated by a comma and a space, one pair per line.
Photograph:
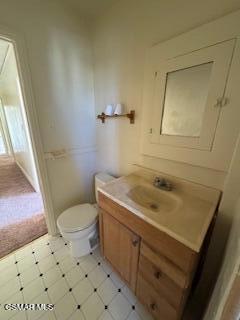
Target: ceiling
3, 51
91, 8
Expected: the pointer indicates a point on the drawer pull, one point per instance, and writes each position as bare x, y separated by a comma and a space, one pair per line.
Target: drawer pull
135, 242
153, 306
157, 274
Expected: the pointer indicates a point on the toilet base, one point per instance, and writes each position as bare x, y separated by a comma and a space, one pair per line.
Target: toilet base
84, 241
83, 246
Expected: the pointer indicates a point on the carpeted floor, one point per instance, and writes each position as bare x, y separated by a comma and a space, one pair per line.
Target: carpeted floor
21, 209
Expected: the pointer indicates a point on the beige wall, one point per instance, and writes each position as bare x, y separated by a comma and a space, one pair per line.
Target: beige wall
60, 60
229, 269
16, 119
231, 262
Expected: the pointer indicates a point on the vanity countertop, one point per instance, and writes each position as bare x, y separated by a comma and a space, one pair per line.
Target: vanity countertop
184, 213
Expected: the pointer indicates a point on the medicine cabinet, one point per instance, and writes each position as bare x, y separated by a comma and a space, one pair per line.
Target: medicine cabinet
185, 93
188, 95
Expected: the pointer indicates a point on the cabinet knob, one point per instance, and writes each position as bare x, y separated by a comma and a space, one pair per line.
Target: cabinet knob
135, 242
157, 274
153, 306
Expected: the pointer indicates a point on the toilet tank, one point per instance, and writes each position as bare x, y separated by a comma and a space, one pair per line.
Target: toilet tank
101, 179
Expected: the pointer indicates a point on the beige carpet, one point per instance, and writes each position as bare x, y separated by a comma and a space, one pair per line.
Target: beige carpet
21, 208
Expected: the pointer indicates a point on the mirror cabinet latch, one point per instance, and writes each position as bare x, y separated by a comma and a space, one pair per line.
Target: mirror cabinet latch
221, 102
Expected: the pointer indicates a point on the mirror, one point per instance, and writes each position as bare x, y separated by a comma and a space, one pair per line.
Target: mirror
185, 98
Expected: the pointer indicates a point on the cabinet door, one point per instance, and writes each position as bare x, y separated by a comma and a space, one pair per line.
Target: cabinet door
188, 96
121, 248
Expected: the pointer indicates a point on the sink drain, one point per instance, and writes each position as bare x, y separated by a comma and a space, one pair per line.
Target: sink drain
153, 206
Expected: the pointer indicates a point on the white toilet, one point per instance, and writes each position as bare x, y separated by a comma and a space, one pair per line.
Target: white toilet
79, 224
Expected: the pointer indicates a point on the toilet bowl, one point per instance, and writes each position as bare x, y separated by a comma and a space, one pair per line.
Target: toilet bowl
79, 224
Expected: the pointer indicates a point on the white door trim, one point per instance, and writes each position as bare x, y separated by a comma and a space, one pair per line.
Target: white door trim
28, 97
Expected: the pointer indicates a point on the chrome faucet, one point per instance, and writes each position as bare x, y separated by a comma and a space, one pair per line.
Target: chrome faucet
163, 184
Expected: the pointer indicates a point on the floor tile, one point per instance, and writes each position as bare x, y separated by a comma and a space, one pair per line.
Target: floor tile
26, 263
105, 316
21, 315
42, 252
42, 241
106, 266
107, 291
7, 314
51, 276
56, 243
74, 276
97, 253
129, 295
134, 316
88, 264
120, 308
142, 311
58, 290
80, 259
77, 315
6, 262
67, 264
28, 275
33, 289
9, 289
35, 314
97, 276
62, 253
8, 273
83, 290
48, 315
93, 307
117, 280
65, 307
24, 252
46, 263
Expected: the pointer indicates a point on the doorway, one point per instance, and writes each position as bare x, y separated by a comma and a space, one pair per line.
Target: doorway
22, 213
2, 141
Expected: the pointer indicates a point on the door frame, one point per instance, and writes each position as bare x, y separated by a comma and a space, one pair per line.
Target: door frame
24, 74
2, 133
5, 130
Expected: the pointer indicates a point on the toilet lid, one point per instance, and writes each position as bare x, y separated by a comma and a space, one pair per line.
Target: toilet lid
77, 218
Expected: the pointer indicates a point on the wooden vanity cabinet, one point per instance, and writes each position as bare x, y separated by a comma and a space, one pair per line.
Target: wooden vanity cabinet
157, 268
121, 248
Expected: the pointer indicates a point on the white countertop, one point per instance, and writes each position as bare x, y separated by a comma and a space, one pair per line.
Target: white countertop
185, 216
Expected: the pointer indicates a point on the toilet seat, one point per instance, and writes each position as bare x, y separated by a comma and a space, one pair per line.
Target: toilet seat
77, 218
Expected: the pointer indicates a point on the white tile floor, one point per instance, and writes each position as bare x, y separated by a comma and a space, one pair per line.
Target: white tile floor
83, 289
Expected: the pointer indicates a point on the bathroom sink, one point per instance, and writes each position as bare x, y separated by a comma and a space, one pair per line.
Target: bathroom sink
183, 213
153, 199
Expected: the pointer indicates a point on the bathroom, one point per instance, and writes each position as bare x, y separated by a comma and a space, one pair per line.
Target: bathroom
77, 57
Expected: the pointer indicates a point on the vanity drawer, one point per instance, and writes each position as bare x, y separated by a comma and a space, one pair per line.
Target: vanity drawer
155, 303
155, 261
160, 282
